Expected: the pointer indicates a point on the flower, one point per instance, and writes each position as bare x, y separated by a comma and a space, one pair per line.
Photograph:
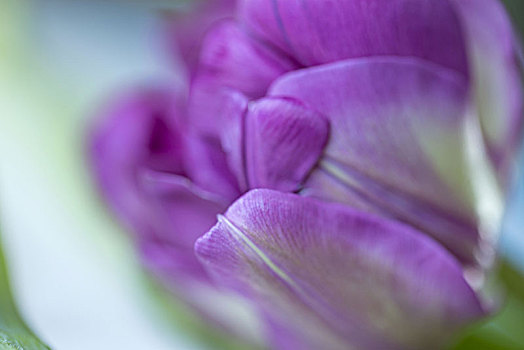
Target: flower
363, 149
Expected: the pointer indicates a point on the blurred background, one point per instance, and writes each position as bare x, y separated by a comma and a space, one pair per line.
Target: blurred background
73, 274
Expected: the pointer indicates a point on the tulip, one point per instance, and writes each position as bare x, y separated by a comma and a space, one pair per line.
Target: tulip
363, 150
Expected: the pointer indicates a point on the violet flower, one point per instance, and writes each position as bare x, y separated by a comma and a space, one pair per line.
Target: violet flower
399, 118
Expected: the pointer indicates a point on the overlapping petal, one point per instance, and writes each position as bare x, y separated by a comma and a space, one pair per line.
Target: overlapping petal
337, 276
231, 61
207, 167
284, 141
140, 152
497, 78
137, 131
398, 142
232, 134
317, 32
188, 26
182, 211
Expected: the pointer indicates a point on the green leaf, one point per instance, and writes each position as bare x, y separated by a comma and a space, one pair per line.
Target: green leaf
516, 11
505, 330
14, 333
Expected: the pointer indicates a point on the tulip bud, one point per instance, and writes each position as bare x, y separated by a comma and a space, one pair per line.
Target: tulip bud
364, 150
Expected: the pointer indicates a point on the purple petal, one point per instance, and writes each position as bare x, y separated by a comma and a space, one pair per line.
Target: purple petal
281, 337
187, 28
138, 131
397, 142
184, 210
337, 276
284, 140
497, 78
230, 61
232, 135
173, 266
317, 32
233, 59
139, 152
207, 166
178, 213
